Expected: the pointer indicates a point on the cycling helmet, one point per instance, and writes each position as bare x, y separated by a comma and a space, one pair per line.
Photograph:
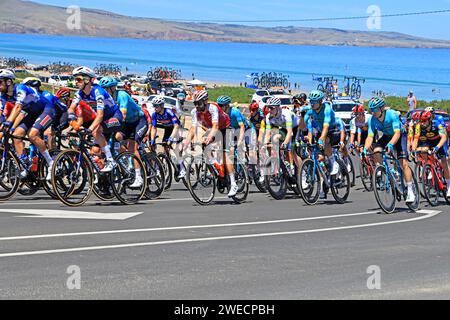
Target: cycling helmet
32, 82
425, 117
316, 95
108, 82
158, 101
254, 106
181, 96
63, 93
430, 109
358, 109
84, 71
300, 96
120, 85
7, 74
223, 100
416, 116
200, 95
274, 102
376, 103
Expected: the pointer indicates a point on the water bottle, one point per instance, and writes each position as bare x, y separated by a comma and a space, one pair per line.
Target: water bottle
117, 146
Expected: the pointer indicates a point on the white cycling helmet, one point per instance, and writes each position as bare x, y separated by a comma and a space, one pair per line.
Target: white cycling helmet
158, 100
274, 102
200, 95
7, 74
84, 71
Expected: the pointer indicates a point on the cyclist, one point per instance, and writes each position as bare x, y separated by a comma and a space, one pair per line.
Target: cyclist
257, 120
359, 128
431, 135
211, 117
300, 100
134, 126
322, 115
31, 115
108, 116
60, 117
287, 123
394, 138
411, 126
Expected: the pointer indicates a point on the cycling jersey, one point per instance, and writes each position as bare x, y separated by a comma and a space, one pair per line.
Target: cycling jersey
360, 126
258, 121
434, 133
237, 119
389, 126
58, 105
166, 119
83, 110
98, 99
127, 104
325, 117
28, 98
212, 114
340, 125
7, 109
284, 119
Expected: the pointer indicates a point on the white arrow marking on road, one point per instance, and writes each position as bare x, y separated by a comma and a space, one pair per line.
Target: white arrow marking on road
66, 214
243, 236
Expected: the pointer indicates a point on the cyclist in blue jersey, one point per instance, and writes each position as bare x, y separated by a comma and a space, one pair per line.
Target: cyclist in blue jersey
108, 119
32, 115
395, 138
134, 126
327, 130
60, 117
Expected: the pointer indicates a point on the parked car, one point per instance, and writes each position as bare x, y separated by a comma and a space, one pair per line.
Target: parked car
58, 80
286, 101
170, 102
261, 93
343, 109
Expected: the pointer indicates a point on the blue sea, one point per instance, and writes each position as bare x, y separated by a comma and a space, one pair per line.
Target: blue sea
395, 71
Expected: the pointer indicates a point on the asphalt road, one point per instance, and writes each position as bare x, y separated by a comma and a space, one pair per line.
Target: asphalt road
264, 249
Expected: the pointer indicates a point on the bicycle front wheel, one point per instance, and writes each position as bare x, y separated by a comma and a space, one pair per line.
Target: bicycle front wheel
309, 182
155, 176
242, 178
9, 175
384, 189
430, 186
365, 173
201, 180
276, 182
124, 177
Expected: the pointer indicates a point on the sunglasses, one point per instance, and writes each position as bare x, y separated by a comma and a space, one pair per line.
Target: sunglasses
79, 79
376, 110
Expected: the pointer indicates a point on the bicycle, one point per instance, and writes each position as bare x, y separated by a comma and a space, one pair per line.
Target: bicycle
76, 175
433, 181
10, 168
389, 185
366, 170
204, 179
316, 173
155, 172
171, 166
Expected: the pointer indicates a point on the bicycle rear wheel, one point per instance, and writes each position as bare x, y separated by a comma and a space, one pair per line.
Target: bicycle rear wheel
168, 172
418, 171
309, 182
340, 183
124, 175
202, 182
415, 205
384, 189
430, 186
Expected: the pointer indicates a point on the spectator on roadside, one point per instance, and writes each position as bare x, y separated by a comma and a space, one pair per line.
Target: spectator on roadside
411, 101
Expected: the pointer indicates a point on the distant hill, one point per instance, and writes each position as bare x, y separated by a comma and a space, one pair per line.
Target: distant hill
24, 17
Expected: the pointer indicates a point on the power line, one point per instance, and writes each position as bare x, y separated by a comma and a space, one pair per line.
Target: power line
317, 19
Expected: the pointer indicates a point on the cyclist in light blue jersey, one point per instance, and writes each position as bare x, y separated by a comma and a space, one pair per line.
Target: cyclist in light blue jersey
134, 126
395, 138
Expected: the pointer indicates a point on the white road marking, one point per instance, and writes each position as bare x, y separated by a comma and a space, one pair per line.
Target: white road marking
182, 227
258, 235
68, 214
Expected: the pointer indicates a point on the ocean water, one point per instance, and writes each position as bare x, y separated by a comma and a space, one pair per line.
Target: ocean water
393, 70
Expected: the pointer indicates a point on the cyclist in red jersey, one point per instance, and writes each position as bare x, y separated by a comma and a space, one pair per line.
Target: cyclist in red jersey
85, 116
211, 117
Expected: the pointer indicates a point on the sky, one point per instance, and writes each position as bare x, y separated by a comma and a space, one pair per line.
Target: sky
435, 26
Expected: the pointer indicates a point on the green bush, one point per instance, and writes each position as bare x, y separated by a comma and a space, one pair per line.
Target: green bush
237, 94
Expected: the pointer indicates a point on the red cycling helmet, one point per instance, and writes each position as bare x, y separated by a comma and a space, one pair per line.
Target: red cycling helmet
358, 109
253, 106
63, 93
425, 117
416, 116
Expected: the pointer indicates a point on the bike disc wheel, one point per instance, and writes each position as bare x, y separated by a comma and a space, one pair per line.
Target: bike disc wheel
384, 189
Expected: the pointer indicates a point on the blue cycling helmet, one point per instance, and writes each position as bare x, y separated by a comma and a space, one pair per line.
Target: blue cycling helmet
181, 96
316, 95
223, 100
108, 82
376, 103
